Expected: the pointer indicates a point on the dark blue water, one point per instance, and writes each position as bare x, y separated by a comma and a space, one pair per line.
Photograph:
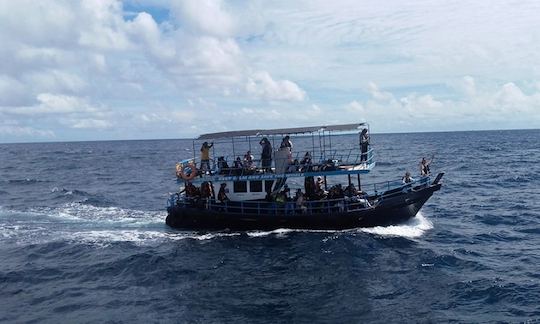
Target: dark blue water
83, 239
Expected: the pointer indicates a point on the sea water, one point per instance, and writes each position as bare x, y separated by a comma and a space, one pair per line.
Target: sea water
83, 239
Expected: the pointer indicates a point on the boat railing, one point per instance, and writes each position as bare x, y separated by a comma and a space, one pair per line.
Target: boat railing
391, 185
345, 204
331, 160
274, 208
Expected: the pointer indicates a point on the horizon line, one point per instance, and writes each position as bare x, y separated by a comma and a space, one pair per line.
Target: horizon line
190, 138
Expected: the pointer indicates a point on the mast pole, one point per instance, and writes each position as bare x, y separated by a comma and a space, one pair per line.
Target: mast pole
233, 151
313, 145
330, 143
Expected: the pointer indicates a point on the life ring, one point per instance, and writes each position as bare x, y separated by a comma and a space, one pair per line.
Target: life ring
181, 171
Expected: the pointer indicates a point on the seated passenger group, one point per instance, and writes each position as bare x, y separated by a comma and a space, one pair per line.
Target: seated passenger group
204, 195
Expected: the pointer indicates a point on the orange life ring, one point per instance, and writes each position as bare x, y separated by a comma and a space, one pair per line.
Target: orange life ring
181, 171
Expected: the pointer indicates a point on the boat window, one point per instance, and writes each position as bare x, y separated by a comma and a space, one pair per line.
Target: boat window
255, 186
240, 186
268, 185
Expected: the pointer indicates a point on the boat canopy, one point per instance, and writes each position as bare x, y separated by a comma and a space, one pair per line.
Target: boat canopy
313, 154
284, 131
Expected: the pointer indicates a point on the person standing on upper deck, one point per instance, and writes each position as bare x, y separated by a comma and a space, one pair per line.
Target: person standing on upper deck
266, 155
286, 145
364, 143
286, 142
205, 156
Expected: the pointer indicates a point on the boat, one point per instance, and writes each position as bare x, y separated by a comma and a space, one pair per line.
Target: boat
323, 170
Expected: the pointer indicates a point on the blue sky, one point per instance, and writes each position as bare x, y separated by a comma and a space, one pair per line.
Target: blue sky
138, 69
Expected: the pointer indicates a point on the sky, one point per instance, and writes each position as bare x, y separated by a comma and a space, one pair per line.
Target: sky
149, 69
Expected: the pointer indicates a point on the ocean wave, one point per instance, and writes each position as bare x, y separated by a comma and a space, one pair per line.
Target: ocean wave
492, 148
90, 213
38, 235
81, 196
25, 181
77, 222
82, 215
72, 152
68, 192
519, 179
494, 290
142, 237
453, 261
138, 237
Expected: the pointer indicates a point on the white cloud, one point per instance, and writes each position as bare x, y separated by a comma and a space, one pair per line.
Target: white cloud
201, 52
505, 105
177, 117
204, 17
355, 107
469, 86
69, 66
12, 92
54, 104
88, 123
103, 25
22, 131
262, 85
58, 110
378, 94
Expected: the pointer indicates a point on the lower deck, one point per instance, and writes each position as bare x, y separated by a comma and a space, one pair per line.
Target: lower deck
391, 206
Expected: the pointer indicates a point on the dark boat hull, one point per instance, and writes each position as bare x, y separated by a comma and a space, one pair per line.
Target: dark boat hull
392, 209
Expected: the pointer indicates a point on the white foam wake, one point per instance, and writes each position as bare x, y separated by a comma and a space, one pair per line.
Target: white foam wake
414, 227
282, 232
76, 212
138, 237
104, 225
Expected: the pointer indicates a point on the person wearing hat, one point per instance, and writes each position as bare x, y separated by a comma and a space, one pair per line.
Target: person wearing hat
205, 156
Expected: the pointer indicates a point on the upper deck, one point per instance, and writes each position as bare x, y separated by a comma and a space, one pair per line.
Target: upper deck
316, 151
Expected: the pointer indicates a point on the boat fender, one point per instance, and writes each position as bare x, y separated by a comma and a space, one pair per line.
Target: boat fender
181, 171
